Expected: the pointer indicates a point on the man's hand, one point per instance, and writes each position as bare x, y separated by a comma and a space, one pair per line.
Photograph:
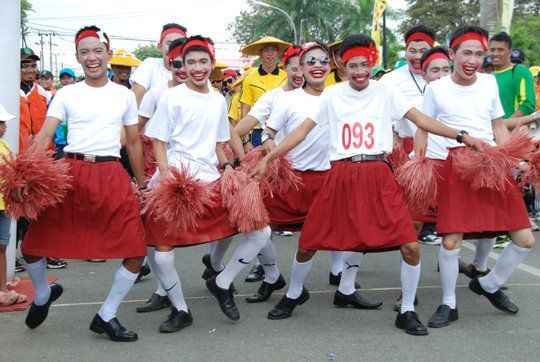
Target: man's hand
474, 143
248, 147
268, 146
259, 171
19, 194
228, 169
164, 174
420, 147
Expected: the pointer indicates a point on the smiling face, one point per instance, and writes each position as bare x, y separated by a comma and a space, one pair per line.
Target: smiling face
269, 55
93, 56
436, 69
121, 72
500, 53
414, 52
46, 83
295, 77
198, 65
467, 61
163, 45
179, 73
29, 71
315, 71
358, 71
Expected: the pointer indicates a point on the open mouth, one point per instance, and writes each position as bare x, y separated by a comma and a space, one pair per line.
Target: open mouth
199, 75
93, 67
469, 70
298, 80
318, 73
361, 78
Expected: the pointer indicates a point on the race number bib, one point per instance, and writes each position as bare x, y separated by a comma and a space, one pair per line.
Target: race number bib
358, 137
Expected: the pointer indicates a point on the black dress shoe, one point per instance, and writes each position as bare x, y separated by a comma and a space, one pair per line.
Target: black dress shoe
256, 274
209, 272
443, 316
498, 299
225, 299
266, 289
355, 300
38, 314
411, 324
176, 321
113, 329
156, 302
145, 270
470, 271
336, 279
285, 306
397, 304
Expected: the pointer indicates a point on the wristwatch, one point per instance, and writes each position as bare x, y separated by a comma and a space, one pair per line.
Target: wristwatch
460, 135
265, 137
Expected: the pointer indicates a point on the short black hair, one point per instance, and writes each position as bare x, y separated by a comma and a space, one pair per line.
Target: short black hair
431, 51
294, 46
177, 43
321, 46
196, 48
464, 30
424, 29
173, 26
355, 40
503, 37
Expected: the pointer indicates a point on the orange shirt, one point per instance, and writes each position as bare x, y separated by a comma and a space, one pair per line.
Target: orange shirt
33, 112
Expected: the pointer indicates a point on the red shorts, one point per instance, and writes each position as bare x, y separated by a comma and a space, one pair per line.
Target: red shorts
430, 216
482, 213
359, 208
98, 219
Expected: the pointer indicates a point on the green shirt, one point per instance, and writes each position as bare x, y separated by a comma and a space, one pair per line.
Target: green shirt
516, 90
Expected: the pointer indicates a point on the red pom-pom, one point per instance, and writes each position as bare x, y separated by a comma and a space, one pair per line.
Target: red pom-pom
519, 144
44, 181
418, 177
247, 211
280, 176
251, 159
150, 165
230, 184
178, 200
398, 157
228, 152
531, 174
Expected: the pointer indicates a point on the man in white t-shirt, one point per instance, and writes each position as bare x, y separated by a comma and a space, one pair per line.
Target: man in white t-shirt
155, 71
99, 217
470, 101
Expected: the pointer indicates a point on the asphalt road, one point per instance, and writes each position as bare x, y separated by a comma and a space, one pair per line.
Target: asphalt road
317, 330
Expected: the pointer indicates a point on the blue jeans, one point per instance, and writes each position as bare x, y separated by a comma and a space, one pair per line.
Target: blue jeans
256, 137
5, 226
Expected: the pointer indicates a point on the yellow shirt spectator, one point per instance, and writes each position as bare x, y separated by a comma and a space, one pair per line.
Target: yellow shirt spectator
235, 113
4, 152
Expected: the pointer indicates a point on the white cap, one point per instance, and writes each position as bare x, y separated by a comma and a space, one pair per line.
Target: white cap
5, 115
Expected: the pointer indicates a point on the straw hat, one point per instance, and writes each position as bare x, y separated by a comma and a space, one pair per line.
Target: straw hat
255, 47
124, 58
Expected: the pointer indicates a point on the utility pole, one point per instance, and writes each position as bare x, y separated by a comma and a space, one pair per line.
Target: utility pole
50, 51
385, 58
41, 42
55, 65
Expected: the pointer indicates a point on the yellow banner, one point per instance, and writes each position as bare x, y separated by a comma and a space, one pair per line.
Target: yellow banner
378, 9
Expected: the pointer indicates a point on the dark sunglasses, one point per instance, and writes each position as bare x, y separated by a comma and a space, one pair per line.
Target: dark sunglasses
311, 60
217, 81
176, 64
228, 81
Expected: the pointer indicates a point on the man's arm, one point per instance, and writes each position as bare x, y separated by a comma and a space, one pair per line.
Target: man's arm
160, 154
142, 122
513, 122
139, 91
525, 93
235, 142
135, 153
245, 125
46, 133
500, 131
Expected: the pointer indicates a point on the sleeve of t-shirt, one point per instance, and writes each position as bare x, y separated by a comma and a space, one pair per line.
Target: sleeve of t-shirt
130, 116
429, 106
525, 91
57, 108
279, 115
497, 110
396, 102
148, 104
160, 126
142, 75
261, 108
320, 115
224, 131
246, 97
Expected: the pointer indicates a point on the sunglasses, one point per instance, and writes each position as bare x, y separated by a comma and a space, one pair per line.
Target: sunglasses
228, 81
176, 64
217, 81
311, 60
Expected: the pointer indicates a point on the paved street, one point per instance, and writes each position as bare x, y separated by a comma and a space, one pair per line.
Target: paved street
317, 331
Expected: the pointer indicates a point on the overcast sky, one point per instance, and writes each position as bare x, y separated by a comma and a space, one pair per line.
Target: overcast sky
140, 19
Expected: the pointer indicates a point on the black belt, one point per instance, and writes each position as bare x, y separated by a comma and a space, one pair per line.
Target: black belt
366, 158
90, 158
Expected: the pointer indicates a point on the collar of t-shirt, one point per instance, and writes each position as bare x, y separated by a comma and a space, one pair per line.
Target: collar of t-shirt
263, 72
27, 88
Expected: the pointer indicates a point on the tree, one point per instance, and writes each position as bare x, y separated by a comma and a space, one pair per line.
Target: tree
26, 7
523, 38
146, 51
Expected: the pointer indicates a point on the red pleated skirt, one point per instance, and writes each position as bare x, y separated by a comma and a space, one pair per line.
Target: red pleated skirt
98, 219
430, 216
289, 210
481, 213
359, 208
211, 226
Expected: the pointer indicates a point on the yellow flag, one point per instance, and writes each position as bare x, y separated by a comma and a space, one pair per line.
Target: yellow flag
506, 14
378, 9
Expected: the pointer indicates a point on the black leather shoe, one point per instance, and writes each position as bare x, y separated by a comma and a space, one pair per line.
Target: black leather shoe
209, 272
156, 302
498, 299
145, 270
266, 289
113, 329
38, 314
176, 321
411, 324
443, 316
397, 304
355, 300
256, 274
225, 299
285, 306
470, 271
336, 279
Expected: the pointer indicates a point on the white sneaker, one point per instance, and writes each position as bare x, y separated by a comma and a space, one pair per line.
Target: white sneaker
283, 233
430, 239
534, 225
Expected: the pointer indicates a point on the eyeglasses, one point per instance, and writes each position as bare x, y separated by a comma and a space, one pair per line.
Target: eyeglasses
311, 60
228, 81
176, 64
217, 81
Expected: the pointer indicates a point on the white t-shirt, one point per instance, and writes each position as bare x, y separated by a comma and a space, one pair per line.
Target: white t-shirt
470, 108
94, 116
150, 100
360, 122
289, 111
263, 107
411, 90
151, 73
192, 123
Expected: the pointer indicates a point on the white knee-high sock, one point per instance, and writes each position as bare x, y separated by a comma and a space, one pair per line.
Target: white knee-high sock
168, 276
218, 253
509, 260
351, 265
410, 275
122, 284
483, 248
337, 262
449, 268
38, 274
246, 251
150, 258
299, 273
267, 258
211, 246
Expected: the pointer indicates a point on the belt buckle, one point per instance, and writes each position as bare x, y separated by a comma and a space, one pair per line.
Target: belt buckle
90, 158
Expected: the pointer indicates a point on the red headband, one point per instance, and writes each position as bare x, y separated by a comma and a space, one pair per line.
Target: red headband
432, 57
420, 37
202, 43
93, 34
306, 47
171, 31
370, 53
175, 52
470, 36
289, 53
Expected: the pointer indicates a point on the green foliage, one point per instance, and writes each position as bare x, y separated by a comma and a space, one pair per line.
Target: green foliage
147, 51
523, 37
26, 7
